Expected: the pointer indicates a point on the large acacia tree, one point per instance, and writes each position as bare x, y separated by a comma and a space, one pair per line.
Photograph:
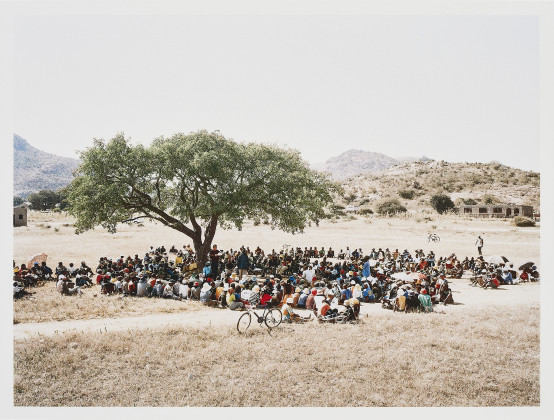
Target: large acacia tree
193, 183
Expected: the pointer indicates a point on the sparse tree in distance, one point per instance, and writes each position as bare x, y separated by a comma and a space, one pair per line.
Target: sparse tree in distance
17, 201
442, 203
44, 200
193, 183
390, 207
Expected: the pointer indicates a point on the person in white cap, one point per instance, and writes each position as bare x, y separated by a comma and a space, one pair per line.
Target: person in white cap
289, 314
206, 293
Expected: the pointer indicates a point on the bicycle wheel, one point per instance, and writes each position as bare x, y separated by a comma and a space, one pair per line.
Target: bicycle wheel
436, 239
273, 318
244, 322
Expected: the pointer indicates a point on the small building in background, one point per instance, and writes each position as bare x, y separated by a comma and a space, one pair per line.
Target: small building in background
497, 210
20, 216
351, 209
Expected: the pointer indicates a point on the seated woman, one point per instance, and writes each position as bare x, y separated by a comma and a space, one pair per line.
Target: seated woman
296, 296
425, 301
446, 294
355, 305
254, 298
302, 298
288, 312
232, 301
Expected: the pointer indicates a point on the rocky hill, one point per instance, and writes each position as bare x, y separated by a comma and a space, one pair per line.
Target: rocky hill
414, 183
359, 162
35, 170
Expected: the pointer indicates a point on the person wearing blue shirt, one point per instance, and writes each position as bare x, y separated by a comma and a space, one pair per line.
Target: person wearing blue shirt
365, 270
207, 270
507, 277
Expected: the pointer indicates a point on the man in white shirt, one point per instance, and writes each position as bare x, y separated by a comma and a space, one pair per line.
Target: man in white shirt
308, 274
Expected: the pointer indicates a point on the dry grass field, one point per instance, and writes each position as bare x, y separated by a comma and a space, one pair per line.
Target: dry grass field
48, 305
489, 358
481, 352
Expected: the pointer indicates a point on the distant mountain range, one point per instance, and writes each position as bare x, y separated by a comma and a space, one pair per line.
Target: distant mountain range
35, 170
359, 162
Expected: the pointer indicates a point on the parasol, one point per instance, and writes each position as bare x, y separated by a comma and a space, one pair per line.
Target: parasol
38, 258
527, 265
402, 276
417, 276
497, 259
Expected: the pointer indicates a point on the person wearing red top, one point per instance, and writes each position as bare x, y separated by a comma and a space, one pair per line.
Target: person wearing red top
310, 302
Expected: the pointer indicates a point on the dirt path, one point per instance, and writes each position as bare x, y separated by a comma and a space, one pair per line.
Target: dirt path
466, 297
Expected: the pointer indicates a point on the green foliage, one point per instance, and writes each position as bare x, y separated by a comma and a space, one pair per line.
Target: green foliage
469, 201
17, 201
489, 199
44, 200
406, 194
441, 203
522, 221
201, 179
364, 212
390, 207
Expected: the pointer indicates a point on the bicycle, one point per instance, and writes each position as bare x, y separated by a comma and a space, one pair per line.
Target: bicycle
433, 237
271, 317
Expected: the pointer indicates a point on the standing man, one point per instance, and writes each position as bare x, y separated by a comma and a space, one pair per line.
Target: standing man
243, 263
479, 244
214, 258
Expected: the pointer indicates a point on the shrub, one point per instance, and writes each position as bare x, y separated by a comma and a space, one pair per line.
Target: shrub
469, 201
489, 199
350, 197
365, 211
523, 221
390, 207
441, 203
407, 194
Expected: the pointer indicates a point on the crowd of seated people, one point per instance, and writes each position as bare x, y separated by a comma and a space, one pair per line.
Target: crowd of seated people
309, 279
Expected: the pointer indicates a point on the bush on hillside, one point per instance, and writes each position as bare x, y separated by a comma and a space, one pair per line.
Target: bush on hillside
390, 207
523, 221
364, 212
469, 201
406, 194
489, 199
442, 203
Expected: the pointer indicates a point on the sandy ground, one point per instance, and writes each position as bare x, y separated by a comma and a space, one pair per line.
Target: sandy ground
457, 235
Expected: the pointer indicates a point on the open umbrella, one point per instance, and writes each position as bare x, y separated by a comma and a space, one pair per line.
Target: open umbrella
38, 258
527, 265
417, 276
497, 259
402, 276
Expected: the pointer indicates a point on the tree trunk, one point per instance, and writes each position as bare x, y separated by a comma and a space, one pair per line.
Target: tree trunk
202, 248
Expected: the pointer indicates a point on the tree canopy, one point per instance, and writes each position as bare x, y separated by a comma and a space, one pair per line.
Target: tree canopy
442, 203
195, 182
44, 199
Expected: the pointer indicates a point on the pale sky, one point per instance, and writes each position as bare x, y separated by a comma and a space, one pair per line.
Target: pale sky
458, 88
